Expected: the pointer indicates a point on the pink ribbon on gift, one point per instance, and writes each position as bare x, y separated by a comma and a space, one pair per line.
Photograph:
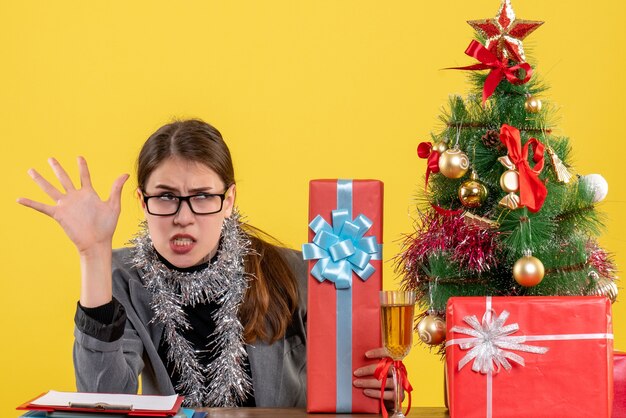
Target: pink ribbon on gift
480, 366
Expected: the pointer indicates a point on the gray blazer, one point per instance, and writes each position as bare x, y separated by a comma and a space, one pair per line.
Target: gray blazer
278, 369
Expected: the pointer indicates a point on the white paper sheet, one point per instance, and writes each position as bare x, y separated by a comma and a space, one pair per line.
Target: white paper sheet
147, 402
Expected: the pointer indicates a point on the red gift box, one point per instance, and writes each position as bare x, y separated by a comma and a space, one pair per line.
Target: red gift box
619, 385
529, 357
345, 277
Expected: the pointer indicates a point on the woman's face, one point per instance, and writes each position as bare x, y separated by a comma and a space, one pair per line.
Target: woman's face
186, 239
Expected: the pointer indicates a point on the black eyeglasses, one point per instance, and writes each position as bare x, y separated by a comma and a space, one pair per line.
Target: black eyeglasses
167, 204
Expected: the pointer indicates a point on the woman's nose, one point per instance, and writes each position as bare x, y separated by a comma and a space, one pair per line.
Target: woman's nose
185, 215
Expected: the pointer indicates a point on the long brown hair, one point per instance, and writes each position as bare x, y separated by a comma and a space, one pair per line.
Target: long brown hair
272, 296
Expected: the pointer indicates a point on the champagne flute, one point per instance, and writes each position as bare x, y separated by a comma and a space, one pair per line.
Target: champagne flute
396, 316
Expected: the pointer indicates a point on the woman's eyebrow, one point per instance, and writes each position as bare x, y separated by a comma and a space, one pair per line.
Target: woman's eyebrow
165, 187
201, 189
175, 189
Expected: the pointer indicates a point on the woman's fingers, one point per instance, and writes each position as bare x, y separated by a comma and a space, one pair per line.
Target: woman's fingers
83, 170
45, 185
369, 384
61, 174
373, 393
365, 370
116, 191
376, 353
370, 368
39, 207
372, 383
371, 388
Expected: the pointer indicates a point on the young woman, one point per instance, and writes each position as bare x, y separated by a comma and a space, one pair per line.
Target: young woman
200, 305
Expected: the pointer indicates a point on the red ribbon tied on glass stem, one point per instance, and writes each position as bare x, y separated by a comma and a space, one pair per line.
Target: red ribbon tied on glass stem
425, 150
381, 372
532, 190
499, 69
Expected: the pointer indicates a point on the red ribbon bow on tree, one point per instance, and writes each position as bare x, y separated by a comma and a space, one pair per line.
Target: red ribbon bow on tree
425, 150
499, 69
381, 372
532, 190
446, 212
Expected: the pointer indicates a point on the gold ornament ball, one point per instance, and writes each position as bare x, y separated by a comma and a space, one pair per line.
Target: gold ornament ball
432, 329
472, 193
605, 287
528, 271
453, 163
532, 105
440, 147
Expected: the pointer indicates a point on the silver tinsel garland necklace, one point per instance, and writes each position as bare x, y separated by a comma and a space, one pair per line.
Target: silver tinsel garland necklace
224, 382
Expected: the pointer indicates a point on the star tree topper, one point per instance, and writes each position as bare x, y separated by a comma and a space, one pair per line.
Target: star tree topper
504, 33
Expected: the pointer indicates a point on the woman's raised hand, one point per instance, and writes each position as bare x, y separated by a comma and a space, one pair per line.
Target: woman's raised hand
86, 219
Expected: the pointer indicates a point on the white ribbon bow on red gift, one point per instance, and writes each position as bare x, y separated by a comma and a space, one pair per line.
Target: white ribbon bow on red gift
490, 342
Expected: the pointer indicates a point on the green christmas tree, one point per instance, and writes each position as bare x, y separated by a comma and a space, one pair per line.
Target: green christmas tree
502, 212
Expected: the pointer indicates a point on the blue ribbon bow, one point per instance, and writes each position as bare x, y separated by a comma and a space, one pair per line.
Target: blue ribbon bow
341, 248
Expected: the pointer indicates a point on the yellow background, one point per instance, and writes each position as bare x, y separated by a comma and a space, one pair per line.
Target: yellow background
300, 90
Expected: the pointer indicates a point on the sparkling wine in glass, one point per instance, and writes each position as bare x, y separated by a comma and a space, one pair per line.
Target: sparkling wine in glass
396, 316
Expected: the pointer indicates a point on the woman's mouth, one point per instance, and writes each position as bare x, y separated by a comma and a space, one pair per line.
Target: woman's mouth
182, 244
